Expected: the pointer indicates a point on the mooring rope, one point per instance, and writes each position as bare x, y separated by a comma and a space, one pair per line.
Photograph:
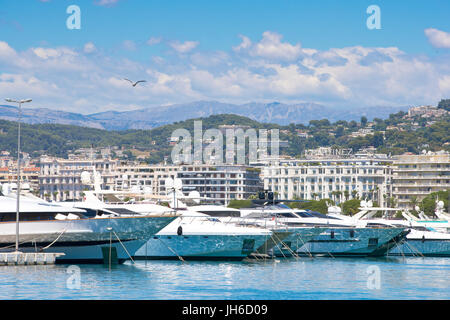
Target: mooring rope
173, 251
122, 246
304, 244
54, 240
289, 249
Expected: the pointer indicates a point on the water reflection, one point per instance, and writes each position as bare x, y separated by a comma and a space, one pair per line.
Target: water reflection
303, 278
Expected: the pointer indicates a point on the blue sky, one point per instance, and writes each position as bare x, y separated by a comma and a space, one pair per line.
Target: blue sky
232, 51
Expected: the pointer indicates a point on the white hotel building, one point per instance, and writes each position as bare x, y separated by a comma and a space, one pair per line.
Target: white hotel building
145, 177
221, 183
416, 176
60, 179
367, 177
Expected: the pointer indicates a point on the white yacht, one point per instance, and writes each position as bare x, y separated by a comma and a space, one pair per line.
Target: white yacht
198, 236
286, 246
192, 235
337, 237
83, 238
425, 238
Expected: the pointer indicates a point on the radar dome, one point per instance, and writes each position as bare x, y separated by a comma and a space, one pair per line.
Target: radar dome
85, 177
195, 195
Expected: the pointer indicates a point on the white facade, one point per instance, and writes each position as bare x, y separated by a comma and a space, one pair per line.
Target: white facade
416, 176
60, 179
222, 183
332, 178
146, 177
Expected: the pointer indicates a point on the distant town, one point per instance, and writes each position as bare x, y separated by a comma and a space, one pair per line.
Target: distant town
324, 172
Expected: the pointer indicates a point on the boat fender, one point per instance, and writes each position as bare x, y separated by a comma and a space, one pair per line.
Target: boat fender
180, 230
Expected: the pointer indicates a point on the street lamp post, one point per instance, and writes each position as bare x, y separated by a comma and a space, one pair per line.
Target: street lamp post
18, 168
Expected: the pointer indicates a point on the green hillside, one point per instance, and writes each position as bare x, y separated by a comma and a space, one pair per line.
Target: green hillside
400, 135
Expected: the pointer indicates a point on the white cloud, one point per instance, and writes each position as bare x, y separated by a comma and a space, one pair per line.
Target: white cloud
89, 48
6, 51
183, 47
49, 53
444, 85
154, 40
17, 85
106, 3
270, 47
69, 79
438, 38
129, 45
244, 45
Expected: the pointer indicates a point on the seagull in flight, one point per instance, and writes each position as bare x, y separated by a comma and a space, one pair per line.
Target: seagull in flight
135, 83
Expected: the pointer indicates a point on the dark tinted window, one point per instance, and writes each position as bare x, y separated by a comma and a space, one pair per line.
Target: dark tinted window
286, 215
122, 211
221, 213
31, 216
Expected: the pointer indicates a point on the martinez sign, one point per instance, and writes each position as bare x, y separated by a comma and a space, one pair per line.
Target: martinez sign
209, 146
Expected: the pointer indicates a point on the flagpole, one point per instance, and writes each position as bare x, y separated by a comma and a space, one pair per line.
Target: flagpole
18, 169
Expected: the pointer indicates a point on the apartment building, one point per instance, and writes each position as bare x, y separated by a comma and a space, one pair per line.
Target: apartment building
60, 179
416, 176
337, 178
222, 183
148, 178
29, 175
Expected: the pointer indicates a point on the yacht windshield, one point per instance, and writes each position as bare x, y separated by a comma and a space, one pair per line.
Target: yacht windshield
313, 214
222, 213
122, 211
286, 215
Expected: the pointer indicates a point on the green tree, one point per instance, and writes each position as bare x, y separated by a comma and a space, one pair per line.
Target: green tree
363, 121
313, 205
351, 207
377, 139
346, 195
444, 104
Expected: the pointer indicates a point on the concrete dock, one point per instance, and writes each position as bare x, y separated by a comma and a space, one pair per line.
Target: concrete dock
28, 258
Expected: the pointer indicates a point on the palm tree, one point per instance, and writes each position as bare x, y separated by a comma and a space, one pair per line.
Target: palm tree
339, 194
333, 195
375, 194
413, 201
346, 194
391, 202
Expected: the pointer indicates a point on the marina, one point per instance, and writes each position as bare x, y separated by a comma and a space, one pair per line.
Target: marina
267, 252
410, 278
192, 151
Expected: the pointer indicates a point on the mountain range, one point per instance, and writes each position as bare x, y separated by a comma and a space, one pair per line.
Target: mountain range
148, 118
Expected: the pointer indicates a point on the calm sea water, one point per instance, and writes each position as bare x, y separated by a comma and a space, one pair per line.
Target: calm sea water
283, 279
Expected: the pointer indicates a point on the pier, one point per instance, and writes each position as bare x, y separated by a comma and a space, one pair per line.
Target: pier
28, 258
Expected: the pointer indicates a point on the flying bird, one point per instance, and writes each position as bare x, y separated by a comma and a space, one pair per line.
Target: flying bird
135, 83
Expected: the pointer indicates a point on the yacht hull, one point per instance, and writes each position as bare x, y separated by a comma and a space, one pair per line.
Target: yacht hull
298, 238
200, 237
83, 240
350, 242
200, 247
423, 243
